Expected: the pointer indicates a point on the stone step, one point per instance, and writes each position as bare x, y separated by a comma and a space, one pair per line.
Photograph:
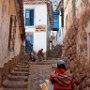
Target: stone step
19, 73
53, 60
13, 89
17, 78
42, 63
14, 84
22, 63
21, 69
22, 66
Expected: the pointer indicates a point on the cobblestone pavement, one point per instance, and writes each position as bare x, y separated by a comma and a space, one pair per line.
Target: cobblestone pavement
38, 74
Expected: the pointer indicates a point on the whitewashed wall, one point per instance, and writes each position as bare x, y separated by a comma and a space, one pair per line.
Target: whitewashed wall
40, 38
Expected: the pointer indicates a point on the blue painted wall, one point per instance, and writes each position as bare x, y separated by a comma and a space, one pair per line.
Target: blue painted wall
56, 21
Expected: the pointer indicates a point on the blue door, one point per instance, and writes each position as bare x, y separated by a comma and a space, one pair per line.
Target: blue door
29, 43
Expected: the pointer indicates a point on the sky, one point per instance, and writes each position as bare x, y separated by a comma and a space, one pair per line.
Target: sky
55, 3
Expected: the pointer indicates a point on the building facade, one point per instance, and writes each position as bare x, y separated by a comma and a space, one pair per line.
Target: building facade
60, 32
11, 34
76, 49
38, 21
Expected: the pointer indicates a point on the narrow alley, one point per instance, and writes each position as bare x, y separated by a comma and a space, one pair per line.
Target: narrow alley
35, 35
38, 74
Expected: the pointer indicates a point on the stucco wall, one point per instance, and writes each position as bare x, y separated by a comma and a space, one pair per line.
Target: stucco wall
67, 15
7, 8
76, 44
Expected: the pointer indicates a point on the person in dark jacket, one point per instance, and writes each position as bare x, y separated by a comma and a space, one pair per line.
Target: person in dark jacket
40, 54
57, 82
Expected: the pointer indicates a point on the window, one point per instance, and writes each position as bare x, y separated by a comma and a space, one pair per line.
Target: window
29, 17
12, 33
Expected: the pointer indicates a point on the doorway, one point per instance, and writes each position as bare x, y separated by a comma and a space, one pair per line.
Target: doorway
29, 42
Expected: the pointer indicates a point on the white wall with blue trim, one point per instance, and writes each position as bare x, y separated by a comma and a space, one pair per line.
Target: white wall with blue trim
40, 18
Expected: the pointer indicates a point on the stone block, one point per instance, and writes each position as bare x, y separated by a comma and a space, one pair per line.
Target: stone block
88, 82
1, 77
76, 87
88, 88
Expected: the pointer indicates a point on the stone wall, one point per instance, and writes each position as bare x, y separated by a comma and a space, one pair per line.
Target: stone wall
8, 59
75, 50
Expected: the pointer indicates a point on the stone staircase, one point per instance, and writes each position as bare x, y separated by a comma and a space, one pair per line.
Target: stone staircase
52, 62
55, 53
18, 77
